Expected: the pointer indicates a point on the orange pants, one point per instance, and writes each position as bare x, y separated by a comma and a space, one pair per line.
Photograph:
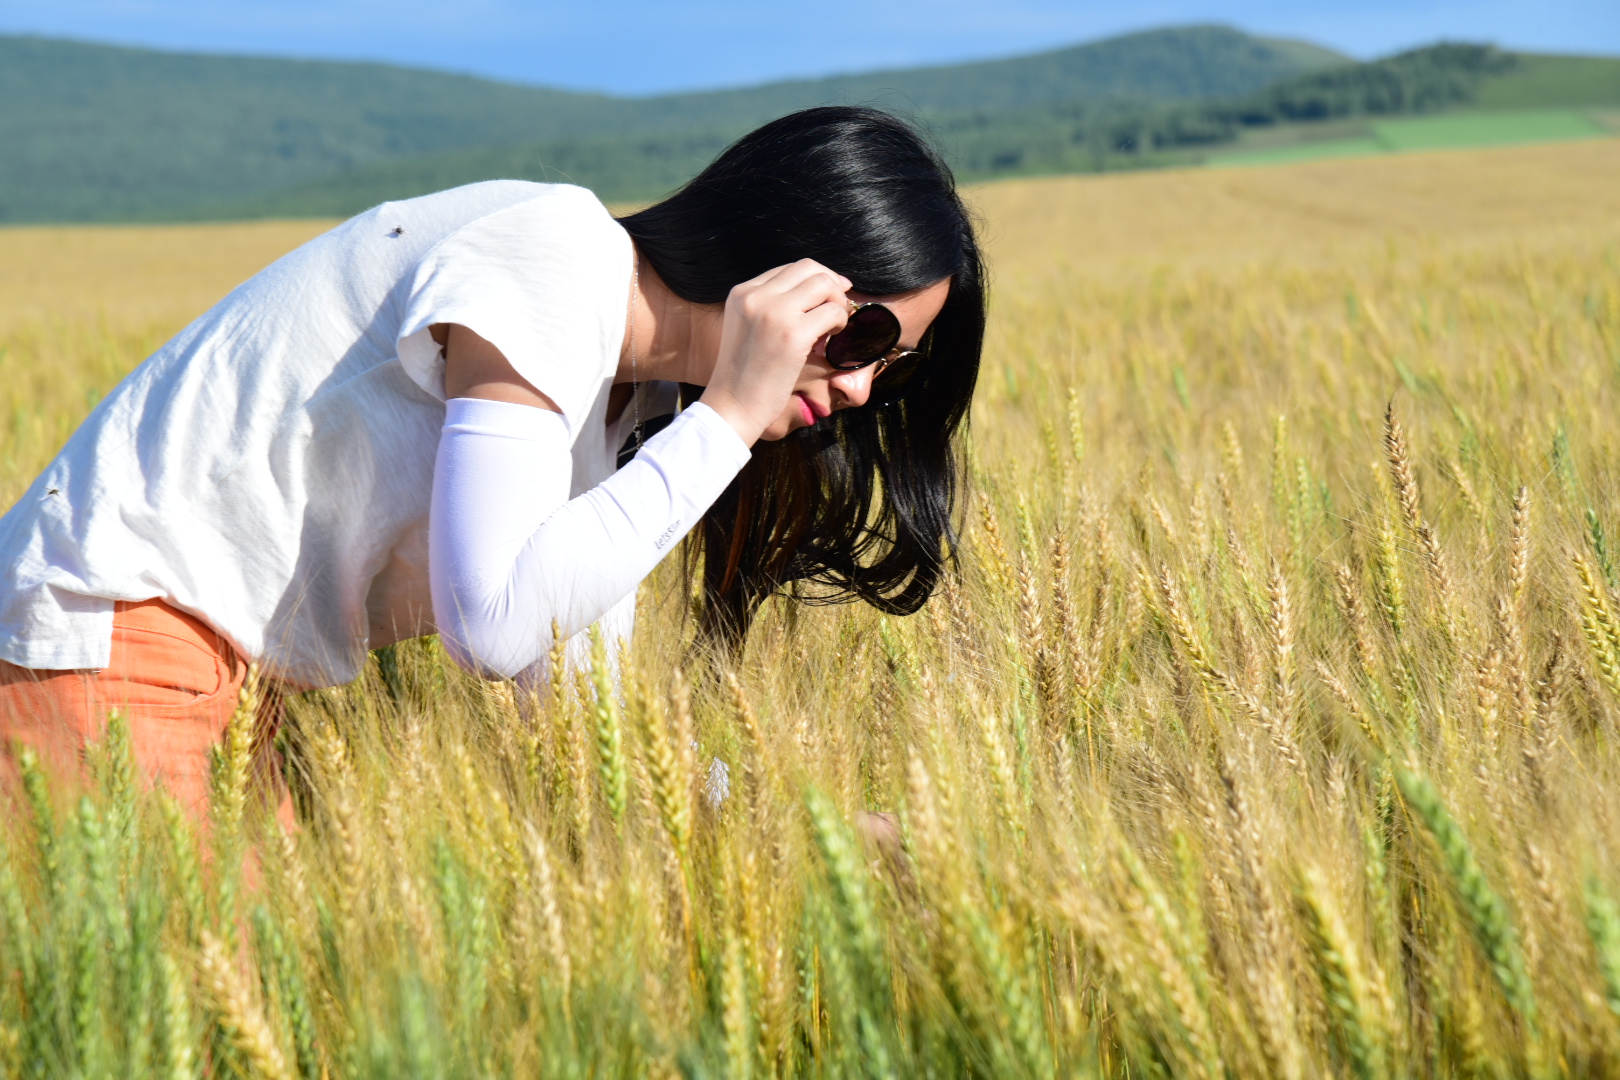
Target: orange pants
170, 675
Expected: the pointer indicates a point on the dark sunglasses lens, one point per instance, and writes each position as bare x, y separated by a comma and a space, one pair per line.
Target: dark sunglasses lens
898, 376
871, 331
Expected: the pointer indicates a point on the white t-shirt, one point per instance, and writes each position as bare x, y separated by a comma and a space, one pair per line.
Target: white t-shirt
270, 469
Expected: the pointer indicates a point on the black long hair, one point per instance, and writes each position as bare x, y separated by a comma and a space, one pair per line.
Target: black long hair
861, 505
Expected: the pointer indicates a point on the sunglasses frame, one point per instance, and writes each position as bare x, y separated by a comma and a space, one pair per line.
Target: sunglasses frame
886, 359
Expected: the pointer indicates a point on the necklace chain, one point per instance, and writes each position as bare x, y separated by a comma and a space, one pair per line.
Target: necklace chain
635, 386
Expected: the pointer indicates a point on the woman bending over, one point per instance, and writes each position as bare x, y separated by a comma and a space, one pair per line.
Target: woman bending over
440, 416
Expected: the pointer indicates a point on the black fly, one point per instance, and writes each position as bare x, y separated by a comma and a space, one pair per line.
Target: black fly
398, 230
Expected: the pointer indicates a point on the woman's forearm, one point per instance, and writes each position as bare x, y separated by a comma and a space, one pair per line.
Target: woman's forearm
510, 553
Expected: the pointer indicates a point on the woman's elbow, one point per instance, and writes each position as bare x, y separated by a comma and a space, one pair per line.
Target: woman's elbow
496, 648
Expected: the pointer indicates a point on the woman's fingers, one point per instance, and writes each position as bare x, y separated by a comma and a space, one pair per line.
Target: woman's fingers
784, 279
814, 293
770, 328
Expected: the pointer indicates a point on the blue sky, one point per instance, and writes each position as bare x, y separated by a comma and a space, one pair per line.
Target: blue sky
648, 46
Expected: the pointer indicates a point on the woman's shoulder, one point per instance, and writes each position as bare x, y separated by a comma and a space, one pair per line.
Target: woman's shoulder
498, 205
557, 232
472, 201
479, 218
545, 277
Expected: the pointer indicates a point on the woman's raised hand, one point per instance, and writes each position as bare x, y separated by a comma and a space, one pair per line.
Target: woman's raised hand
771, 325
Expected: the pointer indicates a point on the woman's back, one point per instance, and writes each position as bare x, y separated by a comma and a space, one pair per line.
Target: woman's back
273, 474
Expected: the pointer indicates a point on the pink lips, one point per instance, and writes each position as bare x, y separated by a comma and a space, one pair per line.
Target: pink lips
805, 410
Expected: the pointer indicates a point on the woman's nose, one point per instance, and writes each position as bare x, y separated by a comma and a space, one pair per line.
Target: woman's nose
855, 386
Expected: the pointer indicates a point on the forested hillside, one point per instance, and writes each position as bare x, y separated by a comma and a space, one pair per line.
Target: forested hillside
1420, 81
95, 132
100, 133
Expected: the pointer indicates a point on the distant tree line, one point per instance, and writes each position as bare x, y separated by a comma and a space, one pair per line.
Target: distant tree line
1420, 81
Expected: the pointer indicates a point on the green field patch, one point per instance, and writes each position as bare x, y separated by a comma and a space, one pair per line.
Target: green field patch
1485, 129
1453, 131
1305, 151
1543, 82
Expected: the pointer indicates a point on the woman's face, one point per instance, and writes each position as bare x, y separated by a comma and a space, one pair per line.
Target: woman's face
823, 389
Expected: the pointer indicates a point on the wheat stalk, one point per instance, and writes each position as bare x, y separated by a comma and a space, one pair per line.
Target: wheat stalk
281, 972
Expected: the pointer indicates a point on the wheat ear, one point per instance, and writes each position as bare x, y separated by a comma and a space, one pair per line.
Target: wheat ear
610, 760
1001, 567
1348, 700
176, 1050
670, 783
1406, 489
1077, 431
1486, 914
1544, 731
1281, 627
239, 1015
1603, 924
1351, 1005
544, 877
1002, 775
1218, 680
1598, 623
1355, 617
1519, 548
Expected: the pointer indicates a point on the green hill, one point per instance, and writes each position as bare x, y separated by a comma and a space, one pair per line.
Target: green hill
1421, 98
94, 132
102, 133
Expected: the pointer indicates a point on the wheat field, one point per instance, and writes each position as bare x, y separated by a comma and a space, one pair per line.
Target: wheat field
1268, 726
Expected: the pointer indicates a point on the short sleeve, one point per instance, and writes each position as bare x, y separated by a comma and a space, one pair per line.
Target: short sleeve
546, 281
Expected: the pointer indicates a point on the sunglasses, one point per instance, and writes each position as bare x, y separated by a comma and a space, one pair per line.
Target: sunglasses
871, 337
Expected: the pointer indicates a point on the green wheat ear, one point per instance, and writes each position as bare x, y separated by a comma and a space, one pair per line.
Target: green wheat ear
609, 731
1487, 915
856, 965
1603, 924
177, 1023
1344, 986
17, 944
38, 792
283, 979
114, 761
90, 957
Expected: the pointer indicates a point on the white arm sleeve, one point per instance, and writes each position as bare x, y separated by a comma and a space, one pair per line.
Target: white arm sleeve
509, 552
